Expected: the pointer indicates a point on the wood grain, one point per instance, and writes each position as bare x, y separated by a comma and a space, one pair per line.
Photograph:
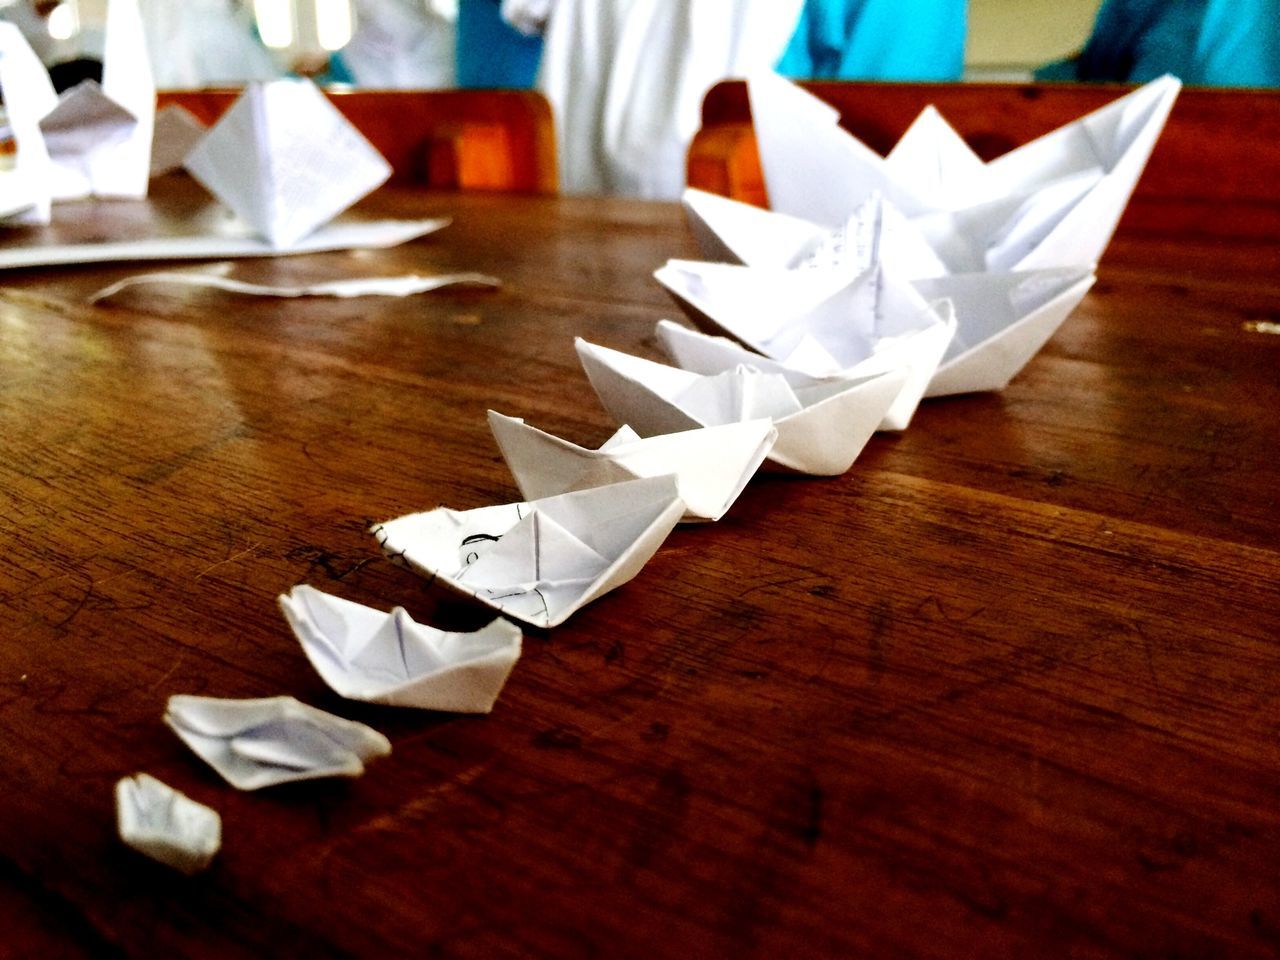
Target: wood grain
1009, 687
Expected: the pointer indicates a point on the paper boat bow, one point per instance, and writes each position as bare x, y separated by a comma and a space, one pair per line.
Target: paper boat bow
711, 465
542, 560
365, 654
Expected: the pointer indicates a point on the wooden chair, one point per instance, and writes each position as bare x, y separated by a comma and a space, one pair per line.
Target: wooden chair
501, 140
1220, 146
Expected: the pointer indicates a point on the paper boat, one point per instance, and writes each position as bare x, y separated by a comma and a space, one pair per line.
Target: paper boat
260, 743
99, 137
822, 424
365, 654
542, 560
1051, 203
165, 825
286, 160
823, 323
26, 191
875, 232
711, 465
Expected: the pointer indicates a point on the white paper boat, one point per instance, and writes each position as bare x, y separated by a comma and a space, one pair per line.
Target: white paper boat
711, 465
26, 190
365, 654
1054, 202
824, 323
260, 743
165, 825
286, 160
542, 560
822, 424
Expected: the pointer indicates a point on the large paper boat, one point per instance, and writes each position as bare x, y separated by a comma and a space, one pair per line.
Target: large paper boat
824, 322
1054, 202
365, 654
822, 424
711, 464
540, 561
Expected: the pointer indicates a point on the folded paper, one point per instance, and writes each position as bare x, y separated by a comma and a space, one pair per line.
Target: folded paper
286, 160
260, 743
828, 322
165, 825
365, 654
177, 131
1054, 202
711, 464
540, 561
26, 187
822, 424
345, 289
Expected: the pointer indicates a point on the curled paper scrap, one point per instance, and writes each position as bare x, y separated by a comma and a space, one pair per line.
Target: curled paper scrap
260, 743
365, 654
822, 424
542, 560
165, 825
711, 464
365, 287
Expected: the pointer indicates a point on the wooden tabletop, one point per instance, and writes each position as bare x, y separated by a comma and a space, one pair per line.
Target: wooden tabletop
1010, 687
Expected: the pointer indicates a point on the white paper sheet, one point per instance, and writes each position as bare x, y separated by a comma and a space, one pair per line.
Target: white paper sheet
822, 424
166, 825
343, 289
177, 131
711, 465
539, 561
365, 654
260, 743
286, 160
1054, 202
26, 190
824, 323
229, 243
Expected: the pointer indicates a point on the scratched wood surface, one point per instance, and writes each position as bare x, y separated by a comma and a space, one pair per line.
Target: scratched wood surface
1010, 687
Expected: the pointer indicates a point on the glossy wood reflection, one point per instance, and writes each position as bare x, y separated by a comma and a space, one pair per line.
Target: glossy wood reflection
1008, 688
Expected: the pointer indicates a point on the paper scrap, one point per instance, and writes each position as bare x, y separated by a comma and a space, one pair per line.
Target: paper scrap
166, 825
286, 160
543, 560
711, 464
365, 654
363, 287
260, 743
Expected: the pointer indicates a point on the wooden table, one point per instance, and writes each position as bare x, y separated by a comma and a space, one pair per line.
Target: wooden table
1010, 687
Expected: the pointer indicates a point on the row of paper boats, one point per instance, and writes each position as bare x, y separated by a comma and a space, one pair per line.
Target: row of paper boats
839, 328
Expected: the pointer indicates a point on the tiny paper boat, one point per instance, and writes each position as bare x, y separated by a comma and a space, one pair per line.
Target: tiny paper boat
165, 825
822, 424
876, 232
711, 465
365, 654
260, 743
1051, 203
540, 561
827, 323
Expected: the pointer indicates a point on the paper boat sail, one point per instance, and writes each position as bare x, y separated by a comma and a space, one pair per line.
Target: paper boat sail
26, 190
824, 323
1054, 202
365, 654
542, 560
263, 742
711, 464
822, 424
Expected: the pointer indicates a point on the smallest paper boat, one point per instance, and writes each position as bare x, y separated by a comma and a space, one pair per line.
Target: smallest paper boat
165, 825
261, 743
711, 465
540, 561
365, 654
822, 424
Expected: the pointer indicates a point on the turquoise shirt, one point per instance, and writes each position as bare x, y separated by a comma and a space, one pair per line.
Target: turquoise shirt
877, 40
490, 52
